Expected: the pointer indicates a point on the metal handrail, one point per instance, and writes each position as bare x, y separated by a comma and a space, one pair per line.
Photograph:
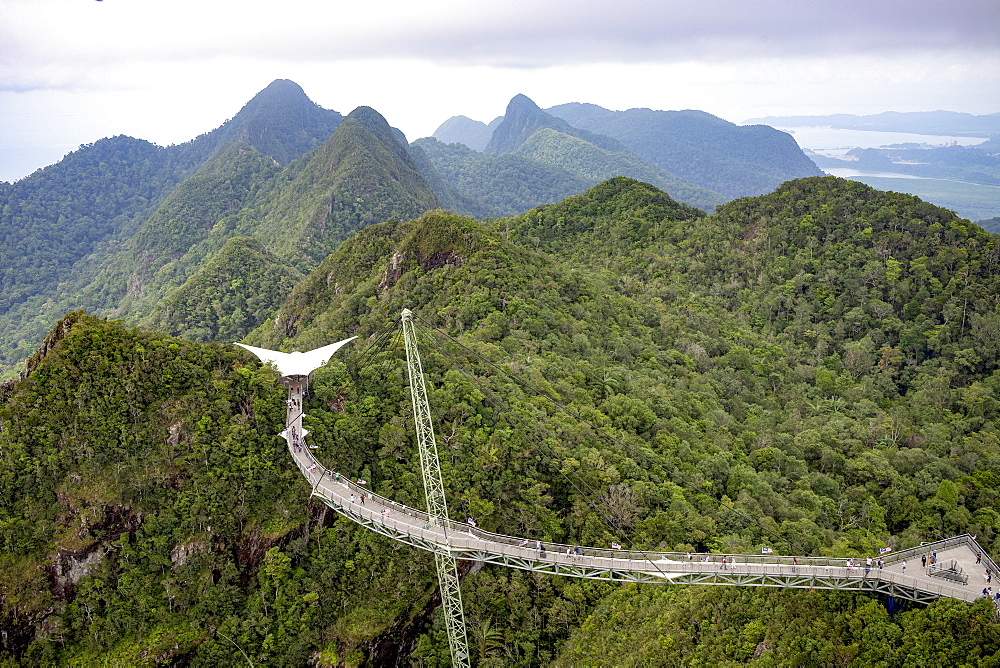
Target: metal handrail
736, 562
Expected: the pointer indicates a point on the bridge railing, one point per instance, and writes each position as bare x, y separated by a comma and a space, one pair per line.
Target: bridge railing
939, 545
453, 528
458, 533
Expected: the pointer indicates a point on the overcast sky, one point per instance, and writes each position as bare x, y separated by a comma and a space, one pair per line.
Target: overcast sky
73, 71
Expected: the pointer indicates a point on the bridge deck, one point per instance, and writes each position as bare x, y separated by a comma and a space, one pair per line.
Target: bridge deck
902, 574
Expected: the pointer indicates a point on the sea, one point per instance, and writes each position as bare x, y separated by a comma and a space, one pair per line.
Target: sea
836, 141
969, 200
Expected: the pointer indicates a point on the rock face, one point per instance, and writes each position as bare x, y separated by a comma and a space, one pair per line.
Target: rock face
70, 568
183, 551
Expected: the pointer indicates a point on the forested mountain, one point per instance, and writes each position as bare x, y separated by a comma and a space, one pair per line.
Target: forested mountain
484, 184
60, 214
118, 225
65, 226
361, 175
236, 290
691, 146
550, 147
815, 370
523, 118
463, 130
280, 122
699, 147
535, 158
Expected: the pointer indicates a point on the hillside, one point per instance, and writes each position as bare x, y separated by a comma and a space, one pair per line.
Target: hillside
118, 225
699, 147
361, 175
550, 147
535, 158
814, 370
483, 184
523, 118
236, 290
463, 130
67, 225
280, 121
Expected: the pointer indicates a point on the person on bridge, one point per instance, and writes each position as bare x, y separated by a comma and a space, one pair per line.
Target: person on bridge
923, 560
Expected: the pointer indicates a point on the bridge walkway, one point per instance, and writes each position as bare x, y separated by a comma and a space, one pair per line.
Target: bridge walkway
902, 575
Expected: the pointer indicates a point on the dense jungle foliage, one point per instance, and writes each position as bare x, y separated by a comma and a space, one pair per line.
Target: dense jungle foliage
115, 227
239, 288
65, 225
361, 174
487, 185
814, 370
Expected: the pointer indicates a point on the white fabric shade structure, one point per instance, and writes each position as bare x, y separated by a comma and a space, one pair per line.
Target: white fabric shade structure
297, 363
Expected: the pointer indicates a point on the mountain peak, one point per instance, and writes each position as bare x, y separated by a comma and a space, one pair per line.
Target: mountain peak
375, 123
279, 91
522, 102
463, 130
280, 121
369, 118
522, 119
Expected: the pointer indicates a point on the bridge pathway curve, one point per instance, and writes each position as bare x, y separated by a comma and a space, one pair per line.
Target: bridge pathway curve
902, 575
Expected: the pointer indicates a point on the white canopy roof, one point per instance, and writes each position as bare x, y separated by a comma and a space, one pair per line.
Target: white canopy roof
296, 363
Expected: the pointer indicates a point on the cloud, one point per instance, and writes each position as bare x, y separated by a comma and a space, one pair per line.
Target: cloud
62, 43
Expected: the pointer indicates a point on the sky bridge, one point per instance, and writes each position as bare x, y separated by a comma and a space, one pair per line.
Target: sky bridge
462, 541
959, 569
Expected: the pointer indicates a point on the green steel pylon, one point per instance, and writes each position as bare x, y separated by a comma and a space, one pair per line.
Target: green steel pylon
430, 468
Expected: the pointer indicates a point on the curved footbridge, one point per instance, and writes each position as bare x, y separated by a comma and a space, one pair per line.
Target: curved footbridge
902, 575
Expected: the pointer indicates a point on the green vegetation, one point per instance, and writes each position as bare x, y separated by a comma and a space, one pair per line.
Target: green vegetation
969, 200
990, 224
822, 360
483, 184
152, 241
360, 176
239, 288
280, 121
701, 148
62, 213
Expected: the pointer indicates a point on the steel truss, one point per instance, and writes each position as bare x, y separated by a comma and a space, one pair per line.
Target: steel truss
430, 468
